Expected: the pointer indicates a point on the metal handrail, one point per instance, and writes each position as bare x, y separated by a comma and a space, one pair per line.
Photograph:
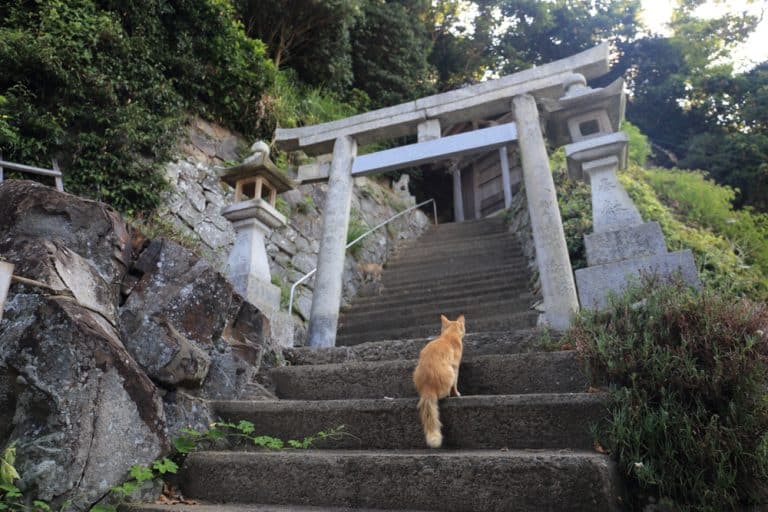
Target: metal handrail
353, 242
55, 172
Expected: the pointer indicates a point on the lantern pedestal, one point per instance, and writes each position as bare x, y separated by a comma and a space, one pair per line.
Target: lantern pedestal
622, 247
257, 182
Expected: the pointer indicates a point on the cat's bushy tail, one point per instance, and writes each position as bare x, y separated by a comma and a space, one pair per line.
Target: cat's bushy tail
430, 418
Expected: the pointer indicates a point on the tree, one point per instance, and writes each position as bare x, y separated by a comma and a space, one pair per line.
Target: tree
310, 36
462, 48
392, 45
541, 32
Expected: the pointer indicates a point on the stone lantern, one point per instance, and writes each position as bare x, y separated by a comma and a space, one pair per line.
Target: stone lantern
622, 246
257, 181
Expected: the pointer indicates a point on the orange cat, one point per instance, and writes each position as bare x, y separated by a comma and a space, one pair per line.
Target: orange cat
436, 376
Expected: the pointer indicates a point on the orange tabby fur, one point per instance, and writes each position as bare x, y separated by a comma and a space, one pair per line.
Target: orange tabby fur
437, 374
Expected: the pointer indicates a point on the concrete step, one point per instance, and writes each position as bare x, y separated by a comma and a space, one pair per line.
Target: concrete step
440, 274
496, 421
475, 481
513, 321
475, 344
535, 372
470, 228
238, 507
429, 313
394, 283
432, 241
491, 292
487, 255
431, 250
468, 259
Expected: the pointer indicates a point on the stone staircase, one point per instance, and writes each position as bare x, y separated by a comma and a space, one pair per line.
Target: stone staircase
518, 438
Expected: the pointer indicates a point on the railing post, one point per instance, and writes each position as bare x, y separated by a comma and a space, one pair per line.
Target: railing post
1, 180
6, 272
558, 287
58, 179
326, 299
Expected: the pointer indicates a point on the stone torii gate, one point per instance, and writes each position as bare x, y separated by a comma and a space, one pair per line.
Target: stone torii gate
580, 114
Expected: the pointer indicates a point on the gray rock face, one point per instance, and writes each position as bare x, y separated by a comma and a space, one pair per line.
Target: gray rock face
85, 411
108, 318
32, 214
175, 318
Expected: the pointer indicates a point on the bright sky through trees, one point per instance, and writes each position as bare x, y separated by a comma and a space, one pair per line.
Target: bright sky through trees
656, 14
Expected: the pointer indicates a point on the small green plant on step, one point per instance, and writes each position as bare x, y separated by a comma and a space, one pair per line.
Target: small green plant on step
242, 434
237, 434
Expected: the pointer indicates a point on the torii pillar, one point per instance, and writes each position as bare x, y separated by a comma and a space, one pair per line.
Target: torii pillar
324, 318
557, 284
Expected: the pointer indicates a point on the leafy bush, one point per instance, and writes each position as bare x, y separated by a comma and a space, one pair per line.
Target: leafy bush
721, 265
292, 103
730, 246
103, 86
688, 371
710, 205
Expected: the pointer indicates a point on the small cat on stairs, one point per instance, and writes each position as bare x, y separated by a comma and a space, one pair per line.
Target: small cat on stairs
437, 374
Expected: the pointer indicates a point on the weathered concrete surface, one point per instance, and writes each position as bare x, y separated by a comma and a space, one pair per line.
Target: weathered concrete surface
475, 268
558, 287
537, 372
507, 321
491, 481
84, 410
475, 344
330, 259
501, 421
202, 507
631, 242
596, 283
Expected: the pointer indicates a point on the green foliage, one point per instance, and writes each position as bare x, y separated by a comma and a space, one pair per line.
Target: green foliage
540, 32
391, 48
285, 291
103, 86
687, 372
639, 148
357, 227
11, 497
242, 433
293, 104
312, 37
306, 205
282, 206
694, 214
710, 205
575, 201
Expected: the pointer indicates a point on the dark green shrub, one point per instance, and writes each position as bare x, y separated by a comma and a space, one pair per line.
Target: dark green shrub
688, 415
104, 85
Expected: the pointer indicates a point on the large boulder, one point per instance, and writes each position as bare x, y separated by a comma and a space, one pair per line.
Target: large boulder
84, 410
30, 211
110, 345
185, 325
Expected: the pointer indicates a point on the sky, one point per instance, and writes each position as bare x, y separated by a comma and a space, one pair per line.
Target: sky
656, 14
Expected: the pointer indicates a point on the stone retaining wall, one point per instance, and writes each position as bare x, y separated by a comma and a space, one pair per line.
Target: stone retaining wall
196, 198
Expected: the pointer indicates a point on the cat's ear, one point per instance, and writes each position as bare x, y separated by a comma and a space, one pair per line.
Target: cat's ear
461, 320
444, 321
